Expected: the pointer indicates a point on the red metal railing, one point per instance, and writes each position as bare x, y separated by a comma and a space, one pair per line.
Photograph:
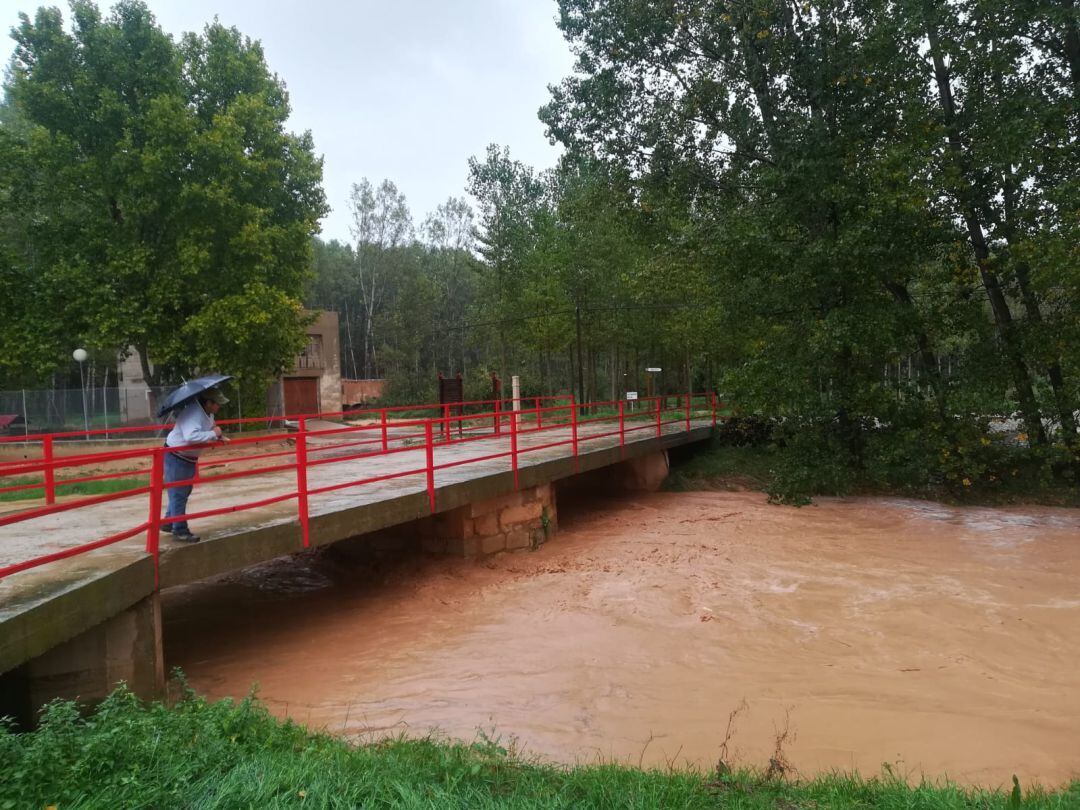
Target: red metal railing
381, 432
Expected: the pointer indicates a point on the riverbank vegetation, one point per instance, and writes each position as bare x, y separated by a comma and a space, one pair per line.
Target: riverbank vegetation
756, 454
235, 754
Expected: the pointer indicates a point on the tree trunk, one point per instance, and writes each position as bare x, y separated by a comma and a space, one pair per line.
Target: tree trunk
928, 359
1033, 310
1003, 319
149, 377
1071, 41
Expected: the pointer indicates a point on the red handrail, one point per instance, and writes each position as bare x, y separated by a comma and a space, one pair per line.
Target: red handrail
547, 414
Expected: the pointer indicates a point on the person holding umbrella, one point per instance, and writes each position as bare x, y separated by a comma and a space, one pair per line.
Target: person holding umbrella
197, 407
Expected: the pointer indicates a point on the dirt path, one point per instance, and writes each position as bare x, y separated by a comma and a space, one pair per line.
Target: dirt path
940, 640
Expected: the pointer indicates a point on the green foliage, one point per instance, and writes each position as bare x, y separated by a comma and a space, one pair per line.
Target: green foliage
83, 488
858, 190
234, 754
794, 462
159, 193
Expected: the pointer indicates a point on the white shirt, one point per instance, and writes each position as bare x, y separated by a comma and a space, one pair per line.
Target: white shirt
193, 426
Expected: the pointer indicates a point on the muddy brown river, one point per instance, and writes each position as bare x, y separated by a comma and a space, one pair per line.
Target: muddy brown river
943, 641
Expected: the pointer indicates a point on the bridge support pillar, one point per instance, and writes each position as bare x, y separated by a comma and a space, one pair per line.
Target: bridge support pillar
126, 648
523, 519
645, 473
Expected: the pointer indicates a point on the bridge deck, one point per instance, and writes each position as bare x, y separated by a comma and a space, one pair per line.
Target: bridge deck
44, 606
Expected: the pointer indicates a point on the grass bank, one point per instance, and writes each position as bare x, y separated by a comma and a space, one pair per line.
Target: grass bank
209, 755
105, 487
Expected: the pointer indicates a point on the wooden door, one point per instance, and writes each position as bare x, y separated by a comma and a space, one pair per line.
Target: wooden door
301, 395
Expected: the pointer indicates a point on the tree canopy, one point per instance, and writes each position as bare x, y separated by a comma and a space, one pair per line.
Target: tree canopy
877, 196
156, 201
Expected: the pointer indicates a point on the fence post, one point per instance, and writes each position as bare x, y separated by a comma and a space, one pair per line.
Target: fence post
446, 423
429, 448
712, 402
50, 473
688, 396
659, 429
153, 523
301, 480
622, 428
385, 436
498, 417
514, 445
573, 425
539, 420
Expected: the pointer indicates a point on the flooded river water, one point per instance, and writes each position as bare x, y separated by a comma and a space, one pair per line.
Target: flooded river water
940, 640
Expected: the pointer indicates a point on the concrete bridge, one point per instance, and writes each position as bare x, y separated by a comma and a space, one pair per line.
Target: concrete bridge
76, 626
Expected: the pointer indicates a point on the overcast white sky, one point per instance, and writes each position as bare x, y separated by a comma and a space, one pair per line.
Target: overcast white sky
400, 89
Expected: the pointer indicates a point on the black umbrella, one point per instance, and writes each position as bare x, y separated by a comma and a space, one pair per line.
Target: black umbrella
189, 390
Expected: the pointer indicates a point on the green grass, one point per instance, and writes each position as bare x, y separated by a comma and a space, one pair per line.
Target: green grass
236, 755
86, 488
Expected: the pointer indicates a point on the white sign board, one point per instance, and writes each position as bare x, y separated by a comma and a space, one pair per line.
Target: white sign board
631, 395
654, 369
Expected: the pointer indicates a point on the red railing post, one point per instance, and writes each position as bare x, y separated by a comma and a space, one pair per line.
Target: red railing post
385, 437
539, 421
622, 428
659, 429
50, 473
498, 417
514, 445
688, 396
446, 423
712, 403
301, 481
153, 522
429, 449
573, 424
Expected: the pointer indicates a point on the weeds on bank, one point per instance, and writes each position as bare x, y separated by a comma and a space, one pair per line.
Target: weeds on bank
235, 754
105, 487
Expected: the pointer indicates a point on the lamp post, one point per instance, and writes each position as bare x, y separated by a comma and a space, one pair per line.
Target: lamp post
80, 356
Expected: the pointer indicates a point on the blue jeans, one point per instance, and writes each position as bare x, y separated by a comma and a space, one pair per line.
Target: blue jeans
177, 469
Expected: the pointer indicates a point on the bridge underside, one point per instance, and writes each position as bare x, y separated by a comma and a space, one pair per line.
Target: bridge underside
75, 628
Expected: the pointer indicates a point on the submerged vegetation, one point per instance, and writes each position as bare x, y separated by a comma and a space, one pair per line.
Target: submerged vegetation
751, 453
236, 754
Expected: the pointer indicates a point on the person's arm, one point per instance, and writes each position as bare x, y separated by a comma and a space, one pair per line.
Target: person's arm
190, 426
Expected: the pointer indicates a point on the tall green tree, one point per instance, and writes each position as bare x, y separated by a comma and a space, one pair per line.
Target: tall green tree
381, 224
449, 235
189, 208
860, 185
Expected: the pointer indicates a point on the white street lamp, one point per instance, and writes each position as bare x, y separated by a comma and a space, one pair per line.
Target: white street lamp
80, 356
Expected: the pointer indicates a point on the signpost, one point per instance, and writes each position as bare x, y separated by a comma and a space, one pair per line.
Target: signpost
451, 391
649, 380
631, 395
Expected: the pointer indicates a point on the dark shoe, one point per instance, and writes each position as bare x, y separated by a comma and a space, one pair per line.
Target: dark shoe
167, 528
185, 537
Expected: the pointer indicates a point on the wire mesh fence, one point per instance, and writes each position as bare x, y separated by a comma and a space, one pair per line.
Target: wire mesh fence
56, 410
